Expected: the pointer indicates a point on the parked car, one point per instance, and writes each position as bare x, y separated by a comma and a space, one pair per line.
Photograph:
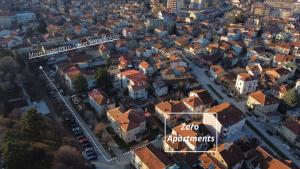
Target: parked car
286, 147
83, 141
296, 155
269, 132
91, 157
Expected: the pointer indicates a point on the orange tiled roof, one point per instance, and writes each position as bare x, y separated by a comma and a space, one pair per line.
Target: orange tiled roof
227, 114
144, 65
153, 158
98, 96
72, 72
262, 98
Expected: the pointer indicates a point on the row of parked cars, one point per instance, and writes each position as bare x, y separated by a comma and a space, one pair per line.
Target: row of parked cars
77, 131
86, 146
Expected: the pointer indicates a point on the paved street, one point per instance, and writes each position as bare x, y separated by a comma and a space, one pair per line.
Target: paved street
205, 81
104, 159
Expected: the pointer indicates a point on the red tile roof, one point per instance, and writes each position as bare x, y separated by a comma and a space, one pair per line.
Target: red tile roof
227, 114
153, 158
98, 96
263, 99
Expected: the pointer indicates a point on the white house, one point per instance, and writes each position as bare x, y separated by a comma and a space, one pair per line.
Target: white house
70, 74
225, 119
146, 68
262, 103
216, 71
245, 83
98, 101
160, 88
136, 83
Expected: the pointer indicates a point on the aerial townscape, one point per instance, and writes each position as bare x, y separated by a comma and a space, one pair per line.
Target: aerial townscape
149, 84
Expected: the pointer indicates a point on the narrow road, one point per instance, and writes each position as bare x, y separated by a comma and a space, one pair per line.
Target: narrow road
104, 160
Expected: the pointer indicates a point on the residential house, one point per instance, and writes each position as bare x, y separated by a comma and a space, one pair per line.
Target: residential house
168, 112
261, 158
240, 154
124, 62
290, 130
143, 52
254, 69
129, 32
161, 31
262, 103
280, 90
191, 145
204, 97
136, 83
99, 101
224, 118
280, 59
150, 157
128, 125
160, 88
70, 74
196, 48
277, 75
227, 156
245, 83
146, 68
216, 71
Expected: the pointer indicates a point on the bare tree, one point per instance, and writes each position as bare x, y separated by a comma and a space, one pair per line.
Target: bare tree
68, 157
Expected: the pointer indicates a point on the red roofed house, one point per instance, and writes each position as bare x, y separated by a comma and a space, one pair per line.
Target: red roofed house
230, 120
169, 110
164, 111
245, 83
136, 83
283, 59
150, 157
146, 68
227, 156
262, 103
189, 144
99, 101
278, 75
216, 71
291, 132
128, 125
70, 74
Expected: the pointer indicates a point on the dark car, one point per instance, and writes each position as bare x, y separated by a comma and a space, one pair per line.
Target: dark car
269, 132
84, 141
92, 157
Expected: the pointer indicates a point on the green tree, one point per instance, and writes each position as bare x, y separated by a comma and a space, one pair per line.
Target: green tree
103, 79
108, 62
80, 84
290, 98
33, 124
